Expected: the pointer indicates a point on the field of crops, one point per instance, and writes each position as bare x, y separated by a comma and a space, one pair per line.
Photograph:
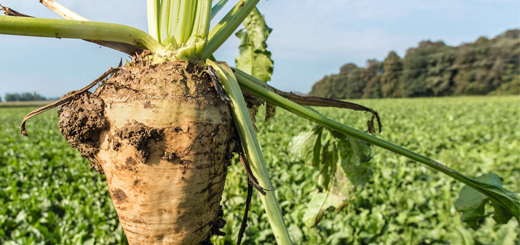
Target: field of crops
48, 194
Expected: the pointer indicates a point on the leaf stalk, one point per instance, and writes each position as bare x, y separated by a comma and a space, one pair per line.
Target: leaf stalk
252, 150
90, 30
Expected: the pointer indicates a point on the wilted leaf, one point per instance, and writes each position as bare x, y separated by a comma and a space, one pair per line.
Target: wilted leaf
316, 151
354, 156
342, 162
353, 170
328, 166
254, 58
502, 215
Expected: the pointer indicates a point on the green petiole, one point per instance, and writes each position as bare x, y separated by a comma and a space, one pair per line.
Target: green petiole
164, 19
252, 150
170, 42
183, 23
78, 30
153, 8
173, 18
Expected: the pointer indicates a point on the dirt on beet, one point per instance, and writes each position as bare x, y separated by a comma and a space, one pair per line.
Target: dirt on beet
137, 134
81, 122
164, 138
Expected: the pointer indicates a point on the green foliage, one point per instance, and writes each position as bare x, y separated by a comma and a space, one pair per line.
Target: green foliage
48, 193
506, 236
471, 203
254, 57
402, 203
433, 69
350, 82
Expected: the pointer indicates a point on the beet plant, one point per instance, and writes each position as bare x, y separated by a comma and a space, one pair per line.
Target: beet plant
163, 127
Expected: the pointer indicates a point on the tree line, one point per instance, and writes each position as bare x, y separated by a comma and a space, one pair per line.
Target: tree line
484, 67
23, 97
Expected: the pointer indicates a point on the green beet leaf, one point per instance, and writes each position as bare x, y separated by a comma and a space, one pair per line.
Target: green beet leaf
254, 58
471, 203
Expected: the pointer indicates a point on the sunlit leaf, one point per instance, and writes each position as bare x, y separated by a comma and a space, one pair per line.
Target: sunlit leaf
353, 169
506, 235
301, 145
316, 208
254, 57
463, 237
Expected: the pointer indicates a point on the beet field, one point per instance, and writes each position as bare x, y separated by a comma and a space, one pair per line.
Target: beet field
49, 195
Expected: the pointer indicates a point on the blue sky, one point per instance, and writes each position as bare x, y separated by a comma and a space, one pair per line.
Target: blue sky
311, 38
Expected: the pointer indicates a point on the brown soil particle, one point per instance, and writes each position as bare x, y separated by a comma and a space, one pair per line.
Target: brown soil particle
167, 81
169, 156
148, 105
137, 134
118, 195
131, 164
81, 122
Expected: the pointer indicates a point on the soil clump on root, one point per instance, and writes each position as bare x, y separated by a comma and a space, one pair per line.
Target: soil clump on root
81, 122
137, 135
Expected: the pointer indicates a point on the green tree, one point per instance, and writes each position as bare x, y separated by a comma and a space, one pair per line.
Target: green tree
373, 83
12, 97
487, 66
24, 97
391, 86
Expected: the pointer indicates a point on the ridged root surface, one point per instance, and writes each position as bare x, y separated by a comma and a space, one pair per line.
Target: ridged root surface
164, 139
